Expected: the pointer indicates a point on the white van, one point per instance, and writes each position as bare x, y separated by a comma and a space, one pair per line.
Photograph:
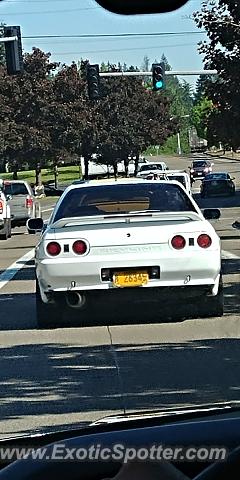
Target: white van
182, 177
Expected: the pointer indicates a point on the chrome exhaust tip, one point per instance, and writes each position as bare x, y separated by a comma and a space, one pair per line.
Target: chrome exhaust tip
75, 299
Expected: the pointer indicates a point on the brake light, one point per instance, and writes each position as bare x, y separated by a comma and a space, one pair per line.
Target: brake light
204, 241
178, 242
1, 206
29, 202
79, 247
53, 249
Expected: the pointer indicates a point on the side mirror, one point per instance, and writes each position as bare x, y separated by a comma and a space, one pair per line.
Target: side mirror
8, 197
35, 225
211, 213
233, 178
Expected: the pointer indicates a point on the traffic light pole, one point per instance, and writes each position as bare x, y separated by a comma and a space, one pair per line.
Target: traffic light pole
149, 74
8, 39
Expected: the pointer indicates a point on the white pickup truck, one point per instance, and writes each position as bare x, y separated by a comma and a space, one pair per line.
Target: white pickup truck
5, 216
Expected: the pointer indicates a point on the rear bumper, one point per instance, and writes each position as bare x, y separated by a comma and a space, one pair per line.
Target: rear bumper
196, 273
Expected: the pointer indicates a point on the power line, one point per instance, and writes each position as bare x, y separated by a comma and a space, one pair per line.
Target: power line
126, 49
46, 12
116, 35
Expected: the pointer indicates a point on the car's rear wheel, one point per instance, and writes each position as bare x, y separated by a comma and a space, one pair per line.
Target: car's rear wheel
48, 315
9, 229
5, 235
213, 306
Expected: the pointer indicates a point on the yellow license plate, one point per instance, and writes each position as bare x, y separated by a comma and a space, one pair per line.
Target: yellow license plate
130, 279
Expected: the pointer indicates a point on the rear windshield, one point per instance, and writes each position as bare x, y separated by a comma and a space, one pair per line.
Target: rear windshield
15, 189
151, 167
217, 176
123, 199
177, 178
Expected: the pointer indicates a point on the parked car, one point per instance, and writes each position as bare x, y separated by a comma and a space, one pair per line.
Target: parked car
105, 237
217, 184
51, 191
199, 169
22, 201
5, 215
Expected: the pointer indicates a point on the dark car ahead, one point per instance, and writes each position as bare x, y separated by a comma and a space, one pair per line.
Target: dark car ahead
217, 184
199, 169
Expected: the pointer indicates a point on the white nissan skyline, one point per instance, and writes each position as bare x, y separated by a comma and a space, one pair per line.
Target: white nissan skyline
128, 234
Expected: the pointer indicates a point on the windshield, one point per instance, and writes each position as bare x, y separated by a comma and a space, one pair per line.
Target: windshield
199, 164
128, 299
150, 167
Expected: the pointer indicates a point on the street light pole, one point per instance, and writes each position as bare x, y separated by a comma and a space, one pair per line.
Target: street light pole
179, 149
179, 144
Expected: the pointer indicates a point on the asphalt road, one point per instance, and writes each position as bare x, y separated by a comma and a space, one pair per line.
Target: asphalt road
70, 376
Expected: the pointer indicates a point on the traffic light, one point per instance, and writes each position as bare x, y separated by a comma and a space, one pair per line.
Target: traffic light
158, 76
93, 80
13, 49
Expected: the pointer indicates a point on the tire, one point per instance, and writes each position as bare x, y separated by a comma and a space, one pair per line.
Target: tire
4, 236
9, 229
48, 315
213, 306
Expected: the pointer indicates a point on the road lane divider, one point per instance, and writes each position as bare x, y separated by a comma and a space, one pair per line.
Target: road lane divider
13, 269
48, 210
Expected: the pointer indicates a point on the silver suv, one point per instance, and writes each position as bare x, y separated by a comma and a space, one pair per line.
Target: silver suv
22, 201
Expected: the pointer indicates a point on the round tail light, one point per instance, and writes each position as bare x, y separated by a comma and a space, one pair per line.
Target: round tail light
204, 241
79, 247
178, 242
53, 249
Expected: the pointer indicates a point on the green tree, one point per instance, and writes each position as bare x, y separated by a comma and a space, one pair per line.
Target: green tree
181, 103
200, 116
131, 119
146, 64
220, 19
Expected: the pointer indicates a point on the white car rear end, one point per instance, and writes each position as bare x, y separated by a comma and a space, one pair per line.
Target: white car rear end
146, 249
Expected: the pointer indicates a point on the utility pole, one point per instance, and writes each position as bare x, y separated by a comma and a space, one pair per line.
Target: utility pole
179, 144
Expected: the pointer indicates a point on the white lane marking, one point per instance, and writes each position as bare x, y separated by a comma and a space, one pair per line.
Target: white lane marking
13, 269
229, 256
48, 210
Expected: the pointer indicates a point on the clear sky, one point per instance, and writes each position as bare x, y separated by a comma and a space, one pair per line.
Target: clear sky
73, 17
